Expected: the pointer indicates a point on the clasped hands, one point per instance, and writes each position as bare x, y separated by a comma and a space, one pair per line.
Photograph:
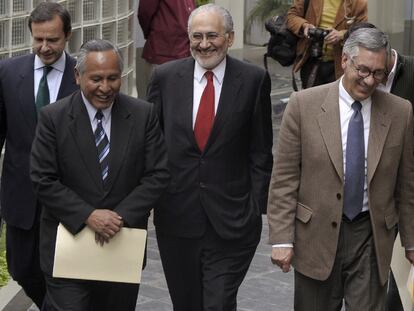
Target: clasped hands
105, 223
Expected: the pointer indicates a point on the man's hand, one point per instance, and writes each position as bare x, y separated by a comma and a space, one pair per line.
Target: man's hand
306, 27
282, 257
334, 36
410, 256
105, 223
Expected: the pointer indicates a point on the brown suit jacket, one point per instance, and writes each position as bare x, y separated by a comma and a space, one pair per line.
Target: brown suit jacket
306, 191
296, 18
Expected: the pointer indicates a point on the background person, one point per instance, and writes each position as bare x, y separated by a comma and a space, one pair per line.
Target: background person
26, 84
164, 24
333, 15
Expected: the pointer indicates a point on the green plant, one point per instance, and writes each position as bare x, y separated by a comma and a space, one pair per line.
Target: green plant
4, 274
264, 9
202, 2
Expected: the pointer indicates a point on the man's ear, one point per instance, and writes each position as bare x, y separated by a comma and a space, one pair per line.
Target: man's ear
77, 76
231, 38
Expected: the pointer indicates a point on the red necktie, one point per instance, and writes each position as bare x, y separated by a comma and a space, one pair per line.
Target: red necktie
205, 114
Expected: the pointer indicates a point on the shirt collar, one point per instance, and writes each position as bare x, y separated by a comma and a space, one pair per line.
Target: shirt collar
347, 99
218, 71
394, 66
58, 65
92, 110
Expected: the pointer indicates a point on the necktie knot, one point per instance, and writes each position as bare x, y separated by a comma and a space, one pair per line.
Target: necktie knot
356, 105
209, 76
99, 115
46, 70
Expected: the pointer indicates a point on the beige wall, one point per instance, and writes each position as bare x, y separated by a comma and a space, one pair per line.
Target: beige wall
236, 8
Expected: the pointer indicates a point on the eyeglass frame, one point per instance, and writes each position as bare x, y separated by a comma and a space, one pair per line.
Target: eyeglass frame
205, 36
358, 70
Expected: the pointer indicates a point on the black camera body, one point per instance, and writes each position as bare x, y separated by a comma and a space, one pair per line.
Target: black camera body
317, 36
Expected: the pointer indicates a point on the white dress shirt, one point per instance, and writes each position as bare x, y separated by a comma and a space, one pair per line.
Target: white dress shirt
106, 120
390, 79
54, 78
200, 82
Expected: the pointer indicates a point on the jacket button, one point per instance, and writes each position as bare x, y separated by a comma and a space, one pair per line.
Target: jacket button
338, 196
334, 224
202, 185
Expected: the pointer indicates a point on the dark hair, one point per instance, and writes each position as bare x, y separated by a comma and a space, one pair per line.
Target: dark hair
46, 11
97, 45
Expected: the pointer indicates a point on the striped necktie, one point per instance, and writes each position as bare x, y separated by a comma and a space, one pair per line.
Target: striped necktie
102, 145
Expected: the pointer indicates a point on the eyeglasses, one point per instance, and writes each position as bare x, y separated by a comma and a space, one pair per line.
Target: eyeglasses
197, 37
364, 72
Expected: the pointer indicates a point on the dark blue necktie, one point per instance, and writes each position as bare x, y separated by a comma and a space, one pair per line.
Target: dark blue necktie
355, 164
42, 97
102, 144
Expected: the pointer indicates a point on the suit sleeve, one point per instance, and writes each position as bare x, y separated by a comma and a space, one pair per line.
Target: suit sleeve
405, 186
154, 95
261, 158
136, 206
295, 17
63, 203
285, 179
146, 11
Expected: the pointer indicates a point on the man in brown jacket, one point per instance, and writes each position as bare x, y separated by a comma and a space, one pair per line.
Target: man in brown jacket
334, 15
342, 180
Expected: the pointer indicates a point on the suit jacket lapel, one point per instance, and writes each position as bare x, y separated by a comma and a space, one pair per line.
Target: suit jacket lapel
68, 84
184, 86
121, 125
80, 127
26, 92
379, 127
232, 83
329, 123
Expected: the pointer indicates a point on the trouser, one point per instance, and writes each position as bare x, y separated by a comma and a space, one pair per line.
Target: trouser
83, 295
315, 72
354, 278
22, 253
205, 273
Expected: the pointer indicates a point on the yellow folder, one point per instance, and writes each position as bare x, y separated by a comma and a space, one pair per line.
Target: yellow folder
80, 257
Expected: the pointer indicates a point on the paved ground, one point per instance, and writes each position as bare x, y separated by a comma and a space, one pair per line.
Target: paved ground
265, 287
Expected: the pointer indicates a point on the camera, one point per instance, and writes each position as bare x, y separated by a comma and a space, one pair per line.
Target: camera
317, 35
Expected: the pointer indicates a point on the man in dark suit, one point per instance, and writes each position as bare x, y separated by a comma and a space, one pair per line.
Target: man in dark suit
98, 160
343, 180
215, 112
20, 99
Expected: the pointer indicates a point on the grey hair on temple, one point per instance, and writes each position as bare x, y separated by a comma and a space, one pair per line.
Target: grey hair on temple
97, 45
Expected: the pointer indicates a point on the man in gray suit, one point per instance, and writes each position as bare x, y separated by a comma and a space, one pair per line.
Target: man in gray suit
342, 180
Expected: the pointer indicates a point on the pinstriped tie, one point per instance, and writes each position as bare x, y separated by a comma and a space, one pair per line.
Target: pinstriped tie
102, 144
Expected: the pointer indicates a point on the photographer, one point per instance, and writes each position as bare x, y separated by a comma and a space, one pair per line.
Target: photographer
321, 33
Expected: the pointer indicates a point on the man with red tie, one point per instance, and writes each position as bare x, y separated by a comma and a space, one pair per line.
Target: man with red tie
215, 112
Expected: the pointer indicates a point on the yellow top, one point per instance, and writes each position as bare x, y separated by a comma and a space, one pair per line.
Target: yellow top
330, 9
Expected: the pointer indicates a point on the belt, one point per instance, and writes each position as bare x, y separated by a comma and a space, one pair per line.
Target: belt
360, 216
